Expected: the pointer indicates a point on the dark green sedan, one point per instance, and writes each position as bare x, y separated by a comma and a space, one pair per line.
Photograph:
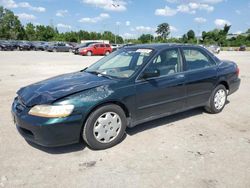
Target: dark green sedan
133, 85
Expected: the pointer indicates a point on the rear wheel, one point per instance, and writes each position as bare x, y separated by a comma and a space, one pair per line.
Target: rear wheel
217, 100
107, 53
54, 50
105, 127
89, 53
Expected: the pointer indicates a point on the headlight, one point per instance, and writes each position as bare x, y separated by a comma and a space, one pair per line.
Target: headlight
51, 111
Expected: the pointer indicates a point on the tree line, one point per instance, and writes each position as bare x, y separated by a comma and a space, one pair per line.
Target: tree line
216, 36
11, 28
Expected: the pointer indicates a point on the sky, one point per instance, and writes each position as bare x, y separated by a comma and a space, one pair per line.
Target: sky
131, 18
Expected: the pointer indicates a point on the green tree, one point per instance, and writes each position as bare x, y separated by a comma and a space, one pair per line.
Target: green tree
163, 30
190, 35
10, 25
146, 38
30, 32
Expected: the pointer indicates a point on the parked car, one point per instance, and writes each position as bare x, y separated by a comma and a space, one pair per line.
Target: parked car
115, 47
130, 86
242, 48
6, 45
39, 45
23, 45
96, 49
214, 49
82, 45
59, 47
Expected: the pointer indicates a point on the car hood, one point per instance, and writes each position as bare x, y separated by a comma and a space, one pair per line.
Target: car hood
49, 90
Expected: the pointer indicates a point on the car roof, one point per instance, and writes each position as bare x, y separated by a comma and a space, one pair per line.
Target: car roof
159, 46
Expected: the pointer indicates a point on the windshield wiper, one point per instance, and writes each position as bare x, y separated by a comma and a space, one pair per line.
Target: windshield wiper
101, 74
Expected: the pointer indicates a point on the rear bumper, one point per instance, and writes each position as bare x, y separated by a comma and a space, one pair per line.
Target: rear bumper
234, 86
49, 132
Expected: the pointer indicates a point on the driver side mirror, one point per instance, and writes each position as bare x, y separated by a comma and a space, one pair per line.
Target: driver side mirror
150, 73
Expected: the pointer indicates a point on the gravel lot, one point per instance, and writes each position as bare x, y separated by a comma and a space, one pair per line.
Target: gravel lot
191, 149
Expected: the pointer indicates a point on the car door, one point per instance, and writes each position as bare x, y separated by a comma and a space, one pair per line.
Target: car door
97, 49
201, 75
162, 94
102, 49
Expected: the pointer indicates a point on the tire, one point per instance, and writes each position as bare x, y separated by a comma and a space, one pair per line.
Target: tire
54, 50
99, 124
217, 100
107, 53
89, 53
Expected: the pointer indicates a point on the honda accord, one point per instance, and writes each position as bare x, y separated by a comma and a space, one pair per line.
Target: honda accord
133, 85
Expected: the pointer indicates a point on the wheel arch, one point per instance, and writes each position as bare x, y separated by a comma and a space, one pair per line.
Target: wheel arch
118, 103
224, 83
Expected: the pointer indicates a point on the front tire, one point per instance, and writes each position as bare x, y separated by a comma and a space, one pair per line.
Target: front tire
89, 53
105, 127
217, 100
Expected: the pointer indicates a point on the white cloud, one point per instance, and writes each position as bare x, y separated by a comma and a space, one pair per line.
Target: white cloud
64, 26
127, 23
8, 3
62, 13
167, 11
145, 29
221, 23
128, 35
109, 5
185, 9
96, 19
200, 6
238, 12
30, 7
200, 20
25, 16
118, 23
238, 32
13, 4
173, 29
195, 1
189, 8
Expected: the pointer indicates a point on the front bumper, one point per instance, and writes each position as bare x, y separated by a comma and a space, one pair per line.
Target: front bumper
49, 132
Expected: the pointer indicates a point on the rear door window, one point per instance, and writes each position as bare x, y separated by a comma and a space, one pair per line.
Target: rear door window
196, 59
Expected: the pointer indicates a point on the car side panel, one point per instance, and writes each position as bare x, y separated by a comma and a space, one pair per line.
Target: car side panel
200, 84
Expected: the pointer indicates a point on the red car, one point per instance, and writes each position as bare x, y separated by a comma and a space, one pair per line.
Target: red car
96, 49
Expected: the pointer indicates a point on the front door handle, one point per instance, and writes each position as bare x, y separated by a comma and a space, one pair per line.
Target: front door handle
180, 76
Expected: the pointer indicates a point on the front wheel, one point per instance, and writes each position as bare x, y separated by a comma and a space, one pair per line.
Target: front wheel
105, 127
89, 53
217, 100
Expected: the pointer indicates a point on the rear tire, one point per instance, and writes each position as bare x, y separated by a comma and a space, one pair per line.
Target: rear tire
104, 127
107, 53
217, 100
54, 50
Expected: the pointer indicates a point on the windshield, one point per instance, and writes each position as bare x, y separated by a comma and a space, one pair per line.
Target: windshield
122, 63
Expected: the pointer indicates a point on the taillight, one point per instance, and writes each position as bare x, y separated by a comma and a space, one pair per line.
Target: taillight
237, 71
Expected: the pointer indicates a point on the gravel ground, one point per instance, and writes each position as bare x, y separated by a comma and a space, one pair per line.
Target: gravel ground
191, 149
